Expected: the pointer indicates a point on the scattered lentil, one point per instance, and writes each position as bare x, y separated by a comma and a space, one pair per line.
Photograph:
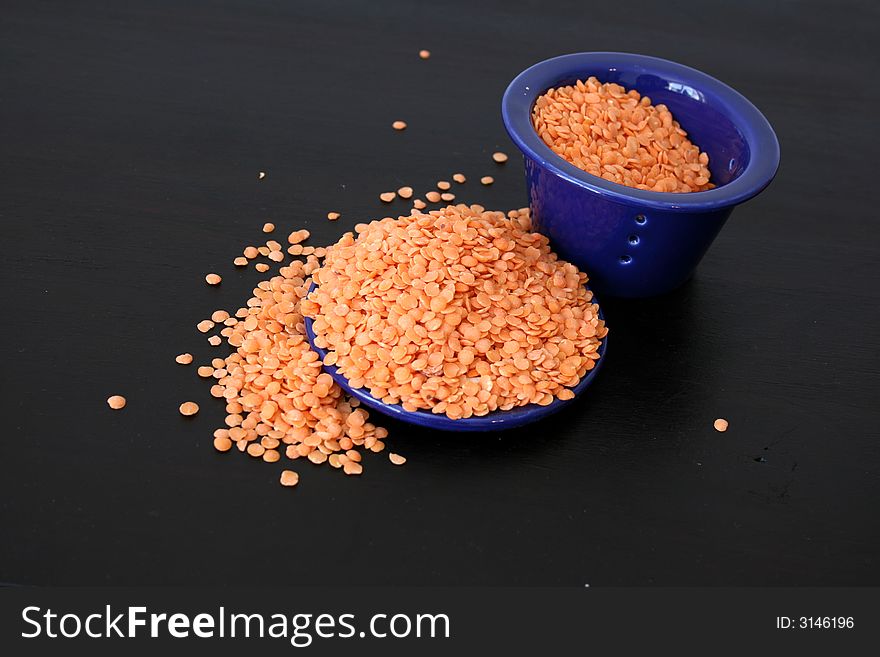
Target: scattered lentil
458, 177
213, 279
443, 185
184, 359
189, 408
433, 197
205, 371
268, 227
424, 54
499, 157
419, 204
487, 180
405, 192
721, 424
214, 340
399, 125
396, 459
387, 197
261, 267
333, 216
289, 478
222, 444
116, 402
240, 261
619, 135
205, 325
447, 196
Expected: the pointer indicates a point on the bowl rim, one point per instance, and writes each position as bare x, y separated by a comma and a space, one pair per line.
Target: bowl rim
521, 93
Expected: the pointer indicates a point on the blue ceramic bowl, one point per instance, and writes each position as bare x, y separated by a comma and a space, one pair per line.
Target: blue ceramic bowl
495, 421
636, 243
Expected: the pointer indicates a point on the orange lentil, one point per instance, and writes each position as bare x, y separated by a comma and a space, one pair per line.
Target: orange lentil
222, 444
289, 478
256, 450
219, 316
189, 408
268, 227
184, 359
443, 185
458, 177
419, 204
505, 295
271, 456
399, 125
205, 325
619, 135
116, 402
396, 459
721, 424
405, 192
333, 216
487, 180
447, 197
499, 157
205, 371
424, 54
250, 252
261, 267
387, 197
276, 256
214, 340
240, 262
433, 197
213, 279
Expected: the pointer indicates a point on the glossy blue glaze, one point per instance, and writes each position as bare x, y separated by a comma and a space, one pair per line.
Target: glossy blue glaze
495, 421
631, 242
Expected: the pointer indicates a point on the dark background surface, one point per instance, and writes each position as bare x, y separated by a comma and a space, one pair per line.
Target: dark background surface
130, 139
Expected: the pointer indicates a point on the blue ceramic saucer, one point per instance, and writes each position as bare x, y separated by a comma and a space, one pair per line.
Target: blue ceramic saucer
494, 421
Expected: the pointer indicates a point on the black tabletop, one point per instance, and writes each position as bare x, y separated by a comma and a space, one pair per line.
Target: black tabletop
131, 136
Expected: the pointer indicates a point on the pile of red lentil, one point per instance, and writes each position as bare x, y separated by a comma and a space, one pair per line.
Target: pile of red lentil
620, 136
459, 311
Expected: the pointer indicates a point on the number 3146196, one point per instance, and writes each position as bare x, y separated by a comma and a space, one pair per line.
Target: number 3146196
814, 622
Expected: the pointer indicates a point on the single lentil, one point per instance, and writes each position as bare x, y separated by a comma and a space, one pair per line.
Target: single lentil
396, 459
189, 408
399, 125
487, 180
213, 279
184, 359
116, 402
405, 192
424, 54
721, 425
458, 177
289, 478
333, 216
268, 227
499, 157
387, 197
